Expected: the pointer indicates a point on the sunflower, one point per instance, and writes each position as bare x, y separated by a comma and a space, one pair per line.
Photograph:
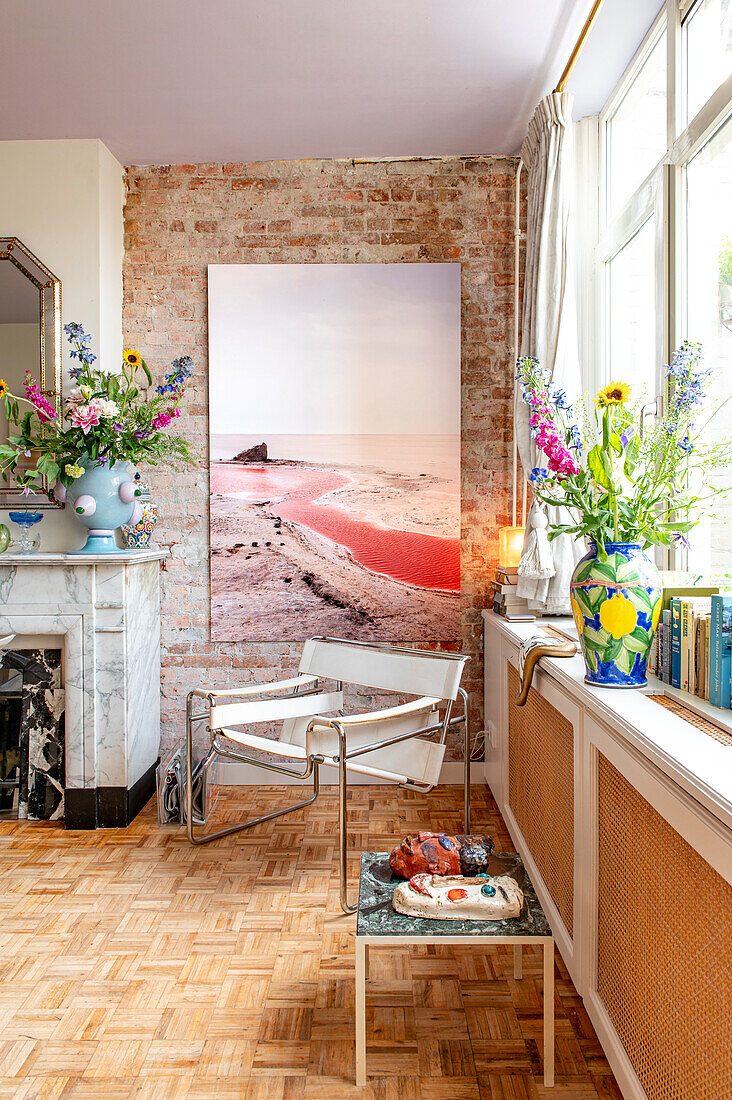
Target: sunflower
617, 393
3, 387
132, 357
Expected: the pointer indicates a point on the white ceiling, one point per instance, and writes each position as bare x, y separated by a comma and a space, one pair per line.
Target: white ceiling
190, 81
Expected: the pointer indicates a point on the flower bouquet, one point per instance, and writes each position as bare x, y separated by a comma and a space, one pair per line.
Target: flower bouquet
108, 421
629, 482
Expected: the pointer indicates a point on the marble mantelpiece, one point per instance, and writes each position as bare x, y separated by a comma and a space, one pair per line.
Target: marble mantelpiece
105, 609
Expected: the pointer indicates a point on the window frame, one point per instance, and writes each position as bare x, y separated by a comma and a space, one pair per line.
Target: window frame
661, 194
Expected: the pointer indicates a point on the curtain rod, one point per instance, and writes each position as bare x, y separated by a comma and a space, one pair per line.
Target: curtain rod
579, 45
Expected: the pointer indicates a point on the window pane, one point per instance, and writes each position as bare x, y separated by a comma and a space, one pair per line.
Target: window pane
632, 312
636, 133
709, 315
708, 51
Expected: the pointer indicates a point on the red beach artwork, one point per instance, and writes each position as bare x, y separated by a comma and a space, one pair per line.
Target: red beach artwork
349, 533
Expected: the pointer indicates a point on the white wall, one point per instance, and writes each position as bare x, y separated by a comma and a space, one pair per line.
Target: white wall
64, 200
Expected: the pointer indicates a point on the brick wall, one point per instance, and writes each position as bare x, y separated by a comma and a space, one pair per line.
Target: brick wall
179, 218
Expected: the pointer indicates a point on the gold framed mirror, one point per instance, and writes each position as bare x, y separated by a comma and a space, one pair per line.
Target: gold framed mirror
30, 339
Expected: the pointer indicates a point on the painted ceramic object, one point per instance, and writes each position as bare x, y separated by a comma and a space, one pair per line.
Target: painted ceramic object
456, 897
103, 498
137, 536
440, 854
616, 606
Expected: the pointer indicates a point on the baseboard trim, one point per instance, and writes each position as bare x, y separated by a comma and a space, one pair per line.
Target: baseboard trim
246, 775
107, 807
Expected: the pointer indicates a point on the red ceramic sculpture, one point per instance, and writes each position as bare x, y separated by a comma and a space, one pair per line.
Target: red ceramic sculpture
440, 854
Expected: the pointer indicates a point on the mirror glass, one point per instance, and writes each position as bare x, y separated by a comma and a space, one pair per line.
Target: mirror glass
30, 336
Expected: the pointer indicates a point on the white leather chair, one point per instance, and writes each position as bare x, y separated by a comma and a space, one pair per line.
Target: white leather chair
386, 745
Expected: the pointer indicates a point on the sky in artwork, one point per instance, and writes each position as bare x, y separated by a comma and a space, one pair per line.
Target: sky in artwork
360, 349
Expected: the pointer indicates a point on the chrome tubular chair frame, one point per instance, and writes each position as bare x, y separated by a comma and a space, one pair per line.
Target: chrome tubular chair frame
312, 762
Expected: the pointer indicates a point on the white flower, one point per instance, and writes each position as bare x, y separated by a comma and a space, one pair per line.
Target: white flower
104, 408
76, 397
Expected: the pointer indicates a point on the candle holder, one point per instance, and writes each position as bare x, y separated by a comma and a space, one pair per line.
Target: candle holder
25, 540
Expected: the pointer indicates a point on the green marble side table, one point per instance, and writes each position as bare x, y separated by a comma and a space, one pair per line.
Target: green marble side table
379, 925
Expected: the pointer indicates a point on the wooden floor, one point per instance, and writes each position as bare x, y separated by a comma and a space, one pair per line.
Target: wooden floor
134, 965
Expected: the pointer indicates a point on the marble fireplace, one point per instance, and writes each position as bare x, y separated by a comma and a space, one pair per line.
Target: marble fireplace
105, 612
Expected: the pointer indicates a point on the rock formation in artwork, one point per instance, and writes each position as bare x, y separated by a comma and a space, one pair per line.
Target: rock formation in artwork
253, 454
440, 854
454, 897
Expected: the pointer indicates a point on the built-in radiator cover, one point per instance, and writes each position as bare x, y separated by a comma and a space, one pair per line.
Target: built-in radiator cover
664, 941
541, 790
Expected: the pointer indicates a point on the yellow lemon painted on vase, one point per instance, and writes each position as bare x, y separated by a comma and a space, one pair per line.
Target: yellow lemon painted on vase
579, 619
618, 616
656, 615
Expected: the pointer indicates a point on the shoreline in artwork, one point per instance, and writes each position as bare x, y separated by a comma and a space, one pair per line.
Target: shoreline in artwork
311, 548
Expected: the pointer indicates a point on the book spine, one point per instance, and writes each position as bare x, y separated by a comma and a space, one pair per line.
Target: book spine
661, 648
666, 667
685, 643
708, 643
693, 628
675, 643
715, 669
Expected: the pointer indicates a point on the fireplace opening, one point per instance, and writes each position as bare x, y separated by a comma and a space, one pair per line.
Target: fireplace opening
32, 734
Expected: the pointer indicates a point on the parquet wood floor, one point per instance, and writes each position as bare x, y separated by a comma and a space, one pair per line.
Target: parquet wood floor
134, 965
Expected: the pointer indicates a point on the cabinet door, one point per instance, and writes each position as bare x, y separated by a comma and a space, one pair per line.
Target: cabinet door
541, 781
660, 928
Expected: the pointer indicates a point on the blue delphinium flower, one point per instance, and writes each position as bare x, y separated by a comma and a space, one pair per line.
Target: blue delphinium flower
680, 540
575, 441
686, 445
539, 473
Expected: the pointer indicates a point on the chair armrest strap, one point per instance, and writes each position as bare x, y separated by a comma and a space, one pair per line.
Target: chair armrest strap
273, 710
272, 688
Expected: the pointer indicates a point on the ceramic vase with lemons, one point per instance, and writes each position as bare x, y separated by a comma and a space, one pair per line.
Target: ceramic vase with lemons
616, 605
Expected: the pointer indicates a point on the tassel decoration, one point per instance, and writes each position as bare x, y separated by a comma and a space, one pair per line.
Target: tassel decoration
537, 560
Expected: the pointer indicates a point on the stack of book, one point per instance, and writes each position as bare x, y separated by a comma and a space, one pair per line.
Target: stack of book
506, 601
693, 648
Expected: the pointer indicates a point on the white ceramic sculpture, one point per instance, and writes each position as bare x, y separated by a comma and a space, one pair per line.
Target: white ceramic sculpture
453, 897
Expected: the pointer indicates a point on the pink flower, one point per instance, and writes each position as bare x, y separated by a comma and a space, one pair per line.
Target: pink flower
161, 421
43, 407
84, 417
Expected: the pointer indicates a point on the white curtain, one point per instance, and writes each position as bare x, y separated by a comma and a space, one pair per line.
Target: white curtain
548, 332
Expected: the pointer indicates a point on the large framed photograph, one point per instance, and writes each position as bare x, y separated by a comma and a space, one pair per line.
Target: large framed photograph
334, 406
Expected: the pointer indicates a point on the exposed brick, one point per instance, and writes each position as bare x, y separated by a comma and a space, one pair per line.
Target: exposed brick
179, 218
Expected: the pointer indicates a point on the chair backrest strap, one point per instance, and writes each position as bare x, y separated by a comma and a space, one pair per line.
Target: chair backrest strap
387, 668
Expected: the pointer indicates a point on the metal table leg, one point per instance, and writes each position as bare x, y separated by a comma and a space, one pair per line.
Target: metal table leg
549, 1013
361, 950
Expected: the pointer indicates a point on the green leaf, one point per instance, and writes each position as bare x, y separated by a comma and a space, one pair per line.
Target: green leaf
624, 660
615, 443
591, 659
605, 568
612, 649
583, 573
146, 369
597, 462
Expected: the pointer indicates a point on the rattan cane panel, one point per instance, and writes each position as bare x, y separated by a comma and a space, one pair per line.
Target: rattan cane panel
664, 935
692, 718
541, 790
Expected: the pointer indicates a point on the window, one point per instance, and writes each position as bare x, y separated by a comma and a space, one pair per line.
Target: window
708, 43
632, 312
663, 259
636, 128
708, 218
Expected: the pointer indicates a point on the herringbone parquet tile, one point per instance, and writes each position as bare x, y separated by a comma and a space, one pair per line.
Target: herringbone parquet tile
134, 965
